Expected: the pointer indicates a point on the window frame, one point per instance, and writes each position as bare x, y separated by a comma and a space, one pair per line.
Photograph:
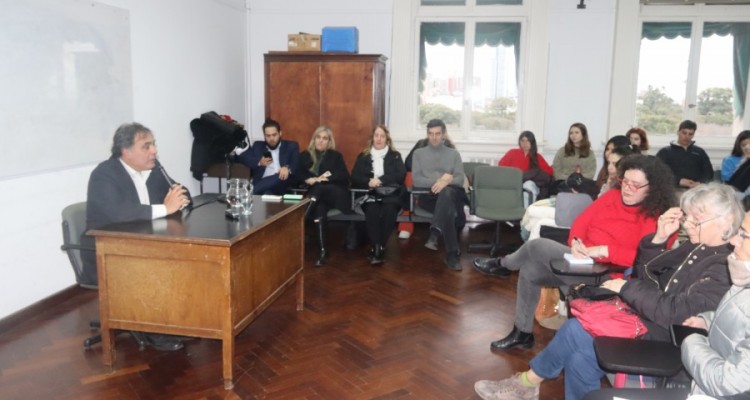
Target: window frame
622, 111
408, 16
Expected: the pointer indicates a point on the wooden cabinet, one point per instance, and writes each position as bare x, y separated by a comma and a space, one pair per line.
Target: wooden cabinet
346, 92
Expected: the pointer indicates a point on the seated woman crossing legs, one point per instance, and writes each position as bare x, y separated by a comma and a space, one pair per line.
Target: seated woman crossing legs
608, 231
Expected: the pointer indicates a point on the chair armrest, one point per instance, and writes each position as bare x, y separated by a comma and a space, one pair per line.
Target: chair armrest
73, 246
638, 356
412, 194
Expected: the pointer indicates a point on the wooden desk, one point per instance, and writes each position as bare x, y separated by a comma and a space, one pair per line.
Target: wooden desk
198, 273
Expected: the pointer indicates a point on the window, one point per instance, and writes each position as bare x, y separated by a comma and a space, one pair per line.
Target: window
681, 62
467, 64
483, 97
695, 69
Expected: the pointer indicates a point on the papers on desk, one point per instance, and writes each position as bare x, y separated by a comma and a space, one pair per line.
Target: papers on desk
271, 198
578, 261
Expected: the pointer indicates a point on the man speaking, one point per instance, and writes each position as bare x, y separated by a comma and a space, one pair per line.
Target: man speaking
129, 187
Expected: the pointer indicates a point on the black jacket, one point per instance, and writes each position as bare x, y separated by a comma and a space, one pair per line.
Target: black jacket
394, 172
692, 163
332, 161
112, 197
668, 286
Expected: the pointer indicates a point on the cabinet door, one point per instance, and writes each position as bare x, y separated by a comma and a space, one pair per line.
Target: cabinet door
293, 98
346, 101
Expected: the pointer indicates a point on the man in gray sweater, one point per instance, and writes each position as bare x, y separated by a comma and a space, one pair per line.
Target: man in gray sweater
439, 169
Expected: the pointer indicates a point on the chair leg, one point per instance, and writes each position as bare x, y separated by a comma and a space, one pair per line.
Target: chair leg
496, 242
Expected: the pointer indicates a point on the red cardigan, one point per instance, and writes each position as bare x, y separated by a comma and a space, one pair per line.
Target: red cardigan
515, 158
608, 221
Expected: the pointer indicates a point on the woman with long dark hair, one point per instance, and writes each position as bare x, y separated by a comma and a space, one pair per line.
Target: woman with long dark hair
734, 169
537, 173
575, 155
614, 141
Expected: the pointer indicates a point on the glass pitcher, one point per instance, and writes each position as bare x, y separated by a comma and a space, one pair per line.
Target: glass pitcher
238, 197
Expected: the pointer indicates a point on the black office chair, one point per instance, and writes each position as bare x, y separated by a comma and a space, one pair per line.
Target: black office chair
73, 225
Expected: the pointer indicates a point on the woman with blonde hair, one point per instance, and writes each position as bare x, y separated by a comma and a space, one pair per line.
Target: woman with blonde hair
322, 171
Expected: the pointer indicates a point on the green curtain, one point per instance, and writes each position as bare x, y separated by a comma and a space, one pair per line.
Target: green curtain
740, 31
450, 33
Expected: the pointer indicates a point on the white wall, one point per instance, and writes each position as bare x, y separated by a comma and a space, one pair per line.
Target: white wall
579, 71
272, 20
188, 58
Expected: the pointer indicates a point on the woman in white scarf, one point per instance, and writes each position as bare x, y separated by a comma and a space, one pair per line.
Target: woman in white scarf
380, 169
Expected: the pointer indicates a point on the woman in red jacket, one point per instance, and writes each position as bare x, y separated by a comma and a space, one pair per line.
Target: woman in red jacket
532, 164
608, 231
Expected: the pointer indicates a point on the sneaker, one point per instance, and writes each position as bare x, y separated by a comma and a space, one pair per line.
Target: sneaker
506, 389
404, 235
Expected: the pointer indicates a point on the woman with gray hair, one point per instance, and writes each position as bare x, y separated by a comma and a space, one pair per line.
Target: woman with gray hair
668, 286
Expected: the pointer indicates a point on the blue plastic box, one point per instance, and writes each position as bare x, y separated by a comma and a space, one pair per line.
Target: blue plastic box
340, 39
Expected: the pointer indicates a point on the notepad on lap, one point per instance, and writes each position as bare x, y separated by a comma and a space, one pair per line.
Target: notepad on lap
572, 260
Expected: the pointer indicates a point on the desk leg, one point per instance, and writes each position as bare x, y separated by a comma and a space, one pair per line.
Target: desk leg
301, 291
108, 346
228, 358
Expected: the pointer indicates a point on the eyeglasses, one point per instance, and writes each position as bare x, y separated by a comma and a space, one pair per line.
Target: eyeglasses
696, 224
630, 184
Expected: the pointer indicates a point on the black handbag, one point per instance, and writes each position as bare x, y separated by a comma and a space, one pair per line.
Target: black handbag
386, 190
590, 292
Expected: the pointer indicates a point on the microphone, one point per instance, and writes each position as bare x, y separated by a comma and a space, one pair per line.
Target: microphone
171, 182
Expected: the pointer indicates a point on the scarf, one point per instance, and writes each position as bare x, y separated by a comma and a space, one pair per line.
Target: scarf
377, 161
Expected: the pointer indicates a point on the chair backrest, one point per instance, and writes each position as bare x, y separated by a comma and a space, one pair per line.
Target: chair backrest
568, 206
469, 168
498, 193
73, 226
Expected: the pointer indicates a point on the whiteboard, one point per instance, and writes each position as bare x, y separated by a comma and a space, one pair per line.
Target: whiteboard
65, 83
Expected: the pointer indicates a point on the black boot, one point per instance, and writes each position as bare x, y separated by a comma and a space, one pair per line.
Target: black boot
515, 338
378, 253
321, 228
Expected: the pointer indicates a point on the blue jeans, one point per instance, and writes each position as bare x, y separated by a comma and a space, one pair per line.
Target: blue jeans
571, 349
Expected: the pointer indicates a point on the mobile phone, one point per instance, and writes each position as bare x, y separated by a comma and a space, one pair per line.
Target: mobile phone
267, 154
680, 332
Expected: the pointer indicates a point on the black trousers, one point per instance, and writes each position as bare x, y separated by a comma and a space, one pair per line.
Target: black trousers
380, 220
447, 208
328, 197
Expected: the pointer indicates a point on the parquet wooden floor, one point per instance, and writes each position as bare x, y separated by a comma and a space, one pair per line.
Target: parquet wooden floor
409, 329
